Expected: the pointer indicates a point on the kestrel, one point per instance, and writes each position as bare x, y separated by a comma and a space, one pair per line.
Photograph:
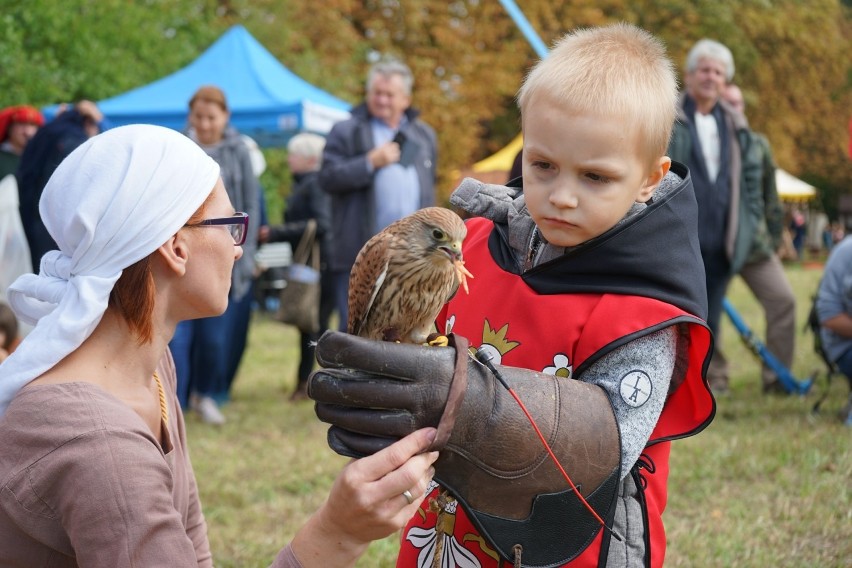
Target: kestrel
405, 274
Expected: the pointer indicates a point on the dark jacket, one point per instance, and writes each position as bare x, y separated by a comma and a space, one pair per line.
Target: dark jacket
8, 163
307, 201
745, 171
42, 155
346, 178
768, 234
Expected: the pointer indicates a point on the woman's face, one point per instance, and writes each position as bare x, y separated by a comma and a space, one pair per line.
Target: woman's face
209, 121
299, 164
20, 133
211, 259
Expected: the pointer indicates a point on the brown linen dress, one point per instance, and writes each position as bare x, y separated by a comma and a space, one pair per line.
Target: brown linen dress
83, 482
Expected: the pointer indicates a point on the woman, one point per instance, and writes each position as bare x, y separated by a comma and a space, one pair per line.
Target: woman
93, 461
206, 350
18, 124
307, 201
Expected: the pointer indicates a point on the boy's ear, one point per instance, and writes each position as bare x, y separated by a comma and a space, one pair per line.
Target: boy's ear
174, 253
658, 172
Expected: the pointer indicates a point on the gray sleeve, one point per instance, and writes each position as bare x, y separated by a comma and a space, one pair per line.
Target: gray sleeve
835, 292
345, 168
251, 203
636, 378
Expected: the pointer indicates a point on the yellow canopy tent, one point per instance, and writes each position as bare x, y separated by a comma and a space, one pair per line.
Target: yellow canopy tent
503, 159
495, 168
792, 188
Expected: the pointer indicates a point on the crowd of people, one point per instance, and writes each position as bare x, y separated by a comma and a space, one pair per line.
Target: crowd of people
93, 454
371, 170
656, 201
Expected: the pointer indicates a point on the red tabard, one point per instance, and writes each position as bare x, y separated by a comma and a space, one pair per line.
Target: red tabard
555, 334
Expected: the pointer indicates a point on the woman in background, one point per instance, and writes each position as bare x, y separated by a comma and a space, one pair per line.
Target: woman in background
18, 125
206, 351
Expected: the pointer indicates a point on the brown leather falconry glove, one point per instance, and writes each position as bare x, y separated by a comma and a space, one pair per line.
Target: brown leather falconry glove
375, 392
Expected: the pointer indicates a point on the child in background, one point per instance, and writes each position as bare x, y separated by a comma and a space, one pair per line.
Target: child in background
590, 294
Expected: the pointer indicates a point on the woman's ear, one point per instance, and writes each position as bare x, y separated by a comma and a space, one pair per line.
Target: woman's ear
658, 172
174, 253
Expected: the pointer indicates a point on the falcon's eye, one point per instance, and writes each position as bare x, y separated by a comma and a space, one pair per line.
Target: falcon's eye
438, 234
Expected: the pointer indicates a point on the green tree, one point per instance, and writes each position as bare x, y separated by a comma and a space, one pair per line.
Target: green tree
468, 57
66, 51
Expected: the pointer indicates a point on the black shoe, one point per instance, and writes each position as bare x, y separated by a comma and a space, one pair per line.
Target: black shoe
774, 388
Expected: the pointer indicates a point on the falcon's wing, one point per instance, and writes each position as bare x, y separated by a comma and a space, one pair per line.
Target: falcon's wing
366, 279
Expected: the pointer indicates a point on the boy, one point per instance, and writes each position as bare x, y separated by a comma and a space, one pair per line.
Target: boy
591, 271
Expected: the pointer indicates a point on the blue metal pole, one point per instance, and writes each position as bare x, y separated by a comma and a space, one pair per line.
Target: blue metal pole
790, 383
525, 27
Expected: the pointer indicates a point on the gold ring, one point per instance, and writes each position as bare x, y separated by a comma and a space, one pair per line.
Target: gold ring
408, 496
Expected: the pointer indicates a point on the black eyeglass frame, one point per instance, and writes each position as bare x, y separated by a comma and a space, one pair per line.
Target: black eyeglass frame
239, 220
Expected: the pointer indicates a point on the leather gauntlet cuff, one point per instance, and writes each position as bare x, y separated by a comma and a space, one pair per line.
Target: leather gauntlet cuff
558, 529
499, 470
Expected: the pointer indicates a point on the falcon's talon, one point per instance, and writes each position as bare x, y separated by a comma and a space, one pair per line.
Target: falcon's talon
439, 341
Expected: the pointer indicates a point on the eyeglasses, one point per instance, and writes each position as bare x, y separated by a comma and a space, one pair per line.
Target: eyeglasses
237, 225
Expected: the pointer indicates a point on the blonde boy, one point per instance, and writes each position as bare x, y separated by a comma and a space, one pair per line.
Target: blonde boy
597, 114
589, 293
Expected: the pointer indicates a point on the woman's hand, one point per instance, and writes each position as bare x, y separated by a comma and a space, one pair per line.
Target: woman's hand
367, 502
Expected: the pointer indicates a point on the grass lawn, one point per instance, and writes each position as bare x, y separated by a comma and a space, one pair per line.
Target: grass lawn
766, 484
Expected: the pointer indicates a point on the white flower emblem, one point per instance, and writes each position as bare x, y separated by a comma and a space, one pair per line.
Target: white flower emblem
453, 554
561, 366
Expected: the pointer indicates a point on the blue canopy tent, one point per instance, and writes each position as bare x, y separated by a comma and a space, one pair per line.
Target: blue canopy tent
267, 101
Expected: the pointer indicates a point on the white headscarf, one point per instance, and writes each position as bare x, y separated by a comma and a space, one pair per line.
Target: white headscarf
112, 202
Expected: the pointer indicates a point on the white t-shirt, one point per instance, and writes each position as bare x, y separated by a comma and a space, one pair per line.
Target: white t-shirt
711, 147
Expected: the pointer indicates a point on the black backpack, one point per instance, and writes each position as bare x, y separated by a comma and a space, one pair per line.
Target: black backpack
812, 323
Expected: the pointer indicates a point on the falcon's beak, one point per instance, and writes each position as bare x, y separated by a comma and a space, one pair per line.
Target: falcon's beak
452, 250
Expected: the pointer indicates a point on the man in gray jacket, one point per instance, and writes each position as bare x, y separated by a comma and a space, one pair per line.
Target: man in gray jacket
378, 166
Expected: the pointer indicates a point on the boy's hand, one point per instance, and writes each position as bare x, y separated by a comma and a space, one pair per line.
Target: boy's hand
375, 392
387, 153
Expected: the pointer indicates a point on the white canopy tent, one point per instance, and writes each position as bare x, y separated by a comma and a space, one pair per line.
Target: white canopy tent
791, 188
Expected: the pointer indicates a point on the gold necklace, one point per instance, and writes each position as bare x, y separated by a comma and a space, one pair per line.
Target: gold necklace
164, 407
